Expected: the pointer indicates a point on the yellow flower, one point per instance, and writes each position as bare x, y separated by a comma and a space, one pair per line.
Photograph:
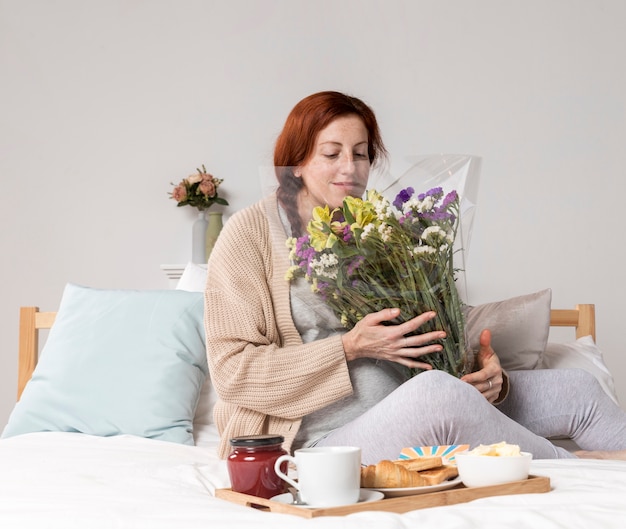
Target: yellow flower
374, 196
318, 239
363, 212
291, 244
319, 229
291, 272
322, 214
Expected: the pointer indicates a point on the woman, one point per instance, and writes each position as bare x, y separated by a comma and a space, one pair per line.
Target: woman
282, 363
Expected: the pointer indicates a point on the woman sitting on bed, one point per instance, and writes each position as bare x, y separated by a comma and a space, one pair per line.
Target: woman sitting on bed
282, 363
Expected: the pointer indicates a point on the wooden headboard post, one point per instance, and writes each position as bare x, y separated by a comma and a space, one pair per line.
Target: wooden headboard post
31, 320
583, 317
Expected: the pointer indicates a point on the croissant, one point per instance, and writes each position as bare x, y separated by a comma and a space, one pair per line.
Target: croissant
386, 474
402, 473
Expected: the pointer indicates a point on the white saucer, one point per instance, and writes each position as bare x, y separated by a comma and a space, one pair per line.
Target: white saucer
366, 495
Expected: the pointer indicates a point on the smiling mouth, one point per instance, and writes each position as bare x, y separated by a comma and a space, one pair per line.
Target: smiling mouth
350, 185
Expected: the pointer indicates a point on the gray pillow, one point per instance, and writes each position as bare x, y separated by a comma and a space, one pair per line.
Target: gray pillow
519, 328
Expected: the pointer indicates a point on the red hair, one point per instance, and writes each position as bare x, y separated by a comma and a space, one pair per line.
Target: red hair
296, 143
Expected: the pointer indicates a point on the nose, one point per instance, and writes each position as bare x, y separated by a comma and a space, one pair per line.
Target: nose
347, 164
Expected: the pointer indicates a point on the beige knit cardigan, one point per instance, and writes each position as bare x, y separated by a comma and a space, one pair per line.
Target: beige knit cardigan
266, 378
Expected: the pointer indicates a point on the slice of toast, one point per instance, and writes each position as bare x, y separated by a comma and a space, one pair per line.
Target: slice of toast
420, 463
434, 476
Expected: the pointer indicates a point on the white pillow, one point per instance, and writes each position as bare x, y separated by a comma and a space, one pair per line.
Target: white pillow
583, 354
194, 280
206, 402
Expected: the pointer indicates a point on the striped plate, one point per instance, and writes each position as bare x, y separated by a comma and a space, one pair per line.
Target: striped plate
447, 452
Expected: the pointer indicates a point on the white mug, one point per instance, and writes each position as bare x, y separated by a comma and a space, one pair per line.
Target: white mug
328, 476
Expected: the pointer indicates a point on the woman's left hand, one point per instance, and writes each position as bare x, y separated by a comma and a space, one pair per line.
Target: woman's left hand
488, 379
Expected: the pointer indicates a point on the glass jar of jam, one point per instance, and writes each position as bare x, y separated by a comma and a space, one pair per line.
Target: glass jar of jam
251, 465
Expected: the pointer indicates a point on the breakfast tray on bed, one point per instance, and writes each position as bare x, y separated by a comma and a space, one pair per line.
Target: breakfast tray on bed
459, 494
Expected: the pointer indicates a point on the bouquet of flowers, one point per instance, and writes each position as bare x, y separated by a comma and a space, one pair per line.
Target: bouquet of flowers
372, 254
198, 190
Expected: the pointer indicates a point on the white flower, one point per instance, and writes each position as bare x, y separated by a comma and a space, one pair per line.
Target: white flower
421, 206
366, 231
382, 208
436, 236
426, 205
423, 250
385, 232
325, 265
409, 205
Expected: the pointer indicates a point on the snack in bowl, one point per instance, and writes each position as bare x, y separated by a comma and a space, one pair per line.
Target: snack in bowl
493, 465
400, 473
496, 450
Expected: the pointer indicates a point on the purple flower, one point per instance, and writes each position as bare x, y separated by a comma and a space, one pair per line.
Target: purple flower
305, 253
450, 198
436, 192
403, 196
347, 234
355, 263
438, 215
322, 289
303, 250
441, 212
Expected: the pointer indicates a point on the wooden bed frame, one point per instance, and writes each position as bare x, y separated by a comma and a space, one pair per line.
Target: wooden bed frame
582, 318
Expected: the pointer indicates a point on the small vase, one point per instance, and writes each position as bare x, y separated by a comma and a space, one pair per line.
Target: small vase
198, 239
213, 231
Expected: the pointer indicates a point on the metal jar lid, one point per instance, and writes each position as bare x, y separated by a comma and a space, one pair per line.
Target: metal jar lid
251, 441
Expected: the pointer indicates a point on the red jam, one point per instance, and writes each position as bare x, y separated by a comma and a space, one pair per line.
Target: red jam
251, 465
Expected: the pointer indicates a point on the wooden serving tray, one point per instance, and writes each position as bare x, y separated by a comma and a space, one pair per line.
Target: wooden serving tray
459, 494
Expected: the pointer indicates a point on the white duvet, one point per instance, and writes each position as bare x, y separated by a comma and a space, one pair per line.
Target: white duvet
65, 480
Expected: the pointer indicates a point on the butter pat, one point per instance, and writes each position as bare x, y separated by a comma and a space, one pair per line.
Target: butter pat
498, 450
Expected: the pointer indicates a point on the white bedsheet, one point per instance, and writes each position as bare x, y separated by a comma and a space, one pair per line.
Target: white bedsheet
64, 480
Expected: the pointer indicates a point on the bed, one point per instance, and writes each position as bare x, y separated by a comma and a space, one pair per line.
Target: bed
77, 477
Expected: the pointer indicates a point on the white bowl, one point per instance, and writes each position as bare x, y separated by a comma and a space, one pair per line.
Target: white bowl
482, 471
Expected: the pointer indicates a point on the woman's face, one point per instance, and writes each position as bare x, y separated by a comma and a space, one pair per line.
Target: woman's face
338, 167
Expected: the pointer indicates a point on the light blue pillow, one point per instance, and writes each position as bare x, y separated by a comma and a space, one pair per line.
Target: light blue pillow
118, 362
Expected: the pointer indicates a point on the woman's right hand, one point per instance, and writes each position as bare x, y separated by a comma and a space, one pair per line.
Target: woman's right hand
370, 338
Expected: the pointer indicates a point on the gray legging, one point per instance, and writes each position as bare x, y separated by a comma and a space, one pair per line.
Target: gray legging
435, 408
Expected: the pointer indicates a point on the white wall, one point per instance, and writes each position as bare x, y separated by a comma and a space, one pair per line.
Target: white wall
104, 103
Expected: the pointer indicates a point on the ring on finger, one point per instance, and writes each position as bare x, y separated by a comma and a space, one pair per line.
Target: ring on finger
490, 384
